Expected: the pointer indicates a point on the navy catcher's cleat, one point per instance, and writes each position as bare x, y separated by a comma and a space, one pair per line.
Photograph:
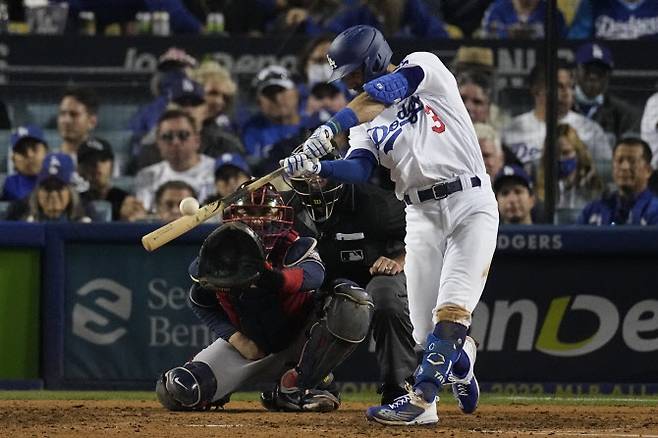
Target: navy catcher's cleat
318, 400
406, 410
466, 390
312, 400
268, 401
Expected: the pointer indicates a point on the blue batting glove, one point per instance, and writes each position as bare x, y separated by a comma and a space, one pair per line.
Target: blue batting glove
300, 165
319, 143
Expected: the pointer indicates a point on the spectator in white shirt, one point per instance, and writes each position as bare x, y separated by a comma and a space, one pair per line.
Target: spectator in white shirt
649, 126
178, 142
525, 134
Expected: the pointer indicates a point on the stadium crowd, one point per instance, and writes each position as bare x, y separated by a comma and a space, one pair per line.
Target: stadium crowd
193, 140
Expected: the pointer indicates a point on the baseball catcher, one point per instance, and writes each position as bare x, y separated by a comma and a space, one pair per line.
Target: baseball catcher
256, 285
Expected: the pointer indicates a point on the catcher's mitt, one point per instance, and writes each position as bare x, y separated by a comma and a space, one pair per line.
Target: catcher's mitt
231, 256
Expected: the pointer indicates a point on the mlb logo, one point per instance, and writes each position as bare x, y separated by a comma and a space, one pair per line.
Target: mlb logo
354, 255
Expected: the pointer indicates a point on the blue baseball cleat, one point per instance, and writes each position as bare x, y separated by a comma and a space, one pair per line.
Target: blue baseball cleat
466, 390
404, 411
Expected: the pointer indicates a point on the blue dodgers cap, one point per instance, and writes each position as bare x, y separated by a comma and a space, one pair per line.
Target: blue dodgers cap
594, 52
57, 165
187, 92
235, 160
28, 131
512, 172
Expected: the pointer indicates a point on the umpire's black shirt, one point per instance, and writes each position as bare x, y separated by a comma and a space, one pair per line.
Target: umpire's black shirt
366, 223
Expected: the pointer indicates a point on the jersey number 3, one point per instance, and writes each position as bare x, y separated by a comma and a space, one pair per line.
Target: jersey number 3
438, 126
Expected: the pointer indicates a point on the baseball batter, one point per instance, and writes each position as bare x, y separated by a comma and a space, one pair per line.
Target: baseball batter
410, 118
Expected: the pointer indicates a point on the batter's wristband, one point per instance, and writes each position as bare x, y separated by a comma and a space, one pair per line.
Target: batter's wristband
342, 121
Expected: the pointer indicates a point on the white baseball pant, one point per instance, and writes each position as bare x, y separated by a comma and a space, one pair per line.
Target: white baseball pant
450, 244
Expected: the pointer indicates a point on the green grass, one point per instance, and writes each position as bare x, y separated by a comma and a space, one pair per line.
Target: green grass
366, 397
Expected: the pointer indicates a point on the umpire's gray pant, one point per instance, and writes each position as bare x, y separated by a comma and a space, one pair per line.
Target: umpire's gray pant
391, 328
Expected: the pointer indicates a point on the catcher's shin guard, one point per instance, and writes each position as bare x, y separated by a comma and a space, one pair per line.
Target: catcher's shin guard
336, 336
190, 387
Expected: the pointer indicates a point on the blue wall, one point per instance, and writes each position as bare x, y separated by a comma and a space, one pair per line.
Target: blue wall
561, 304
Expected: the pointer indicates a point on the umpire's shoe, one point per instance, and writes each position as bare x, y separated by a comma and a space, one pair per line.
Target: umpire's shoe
409, 409
465, 388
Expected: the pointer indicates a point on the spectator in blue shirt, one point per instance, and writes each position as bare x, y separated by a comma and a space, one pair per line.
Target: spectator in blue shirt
518, 19
29, 148
404, 18
633, 203
278, 118
615, 20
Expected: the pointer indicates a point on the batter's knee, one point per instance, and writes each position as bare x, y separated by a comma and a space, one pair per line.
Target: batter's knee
388, 295
185, 388
453, 313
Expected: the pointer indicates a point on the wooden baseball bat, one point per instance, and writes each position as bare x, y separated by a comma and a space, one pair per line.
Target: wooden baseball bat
168, 232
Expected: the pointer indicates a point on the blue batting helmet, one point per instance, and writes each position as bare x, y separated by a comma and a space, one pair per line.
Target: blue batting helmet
359, 46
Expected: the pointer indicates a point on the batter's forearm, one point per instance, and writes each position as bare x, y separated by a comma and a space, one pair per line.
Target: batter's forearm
365, 107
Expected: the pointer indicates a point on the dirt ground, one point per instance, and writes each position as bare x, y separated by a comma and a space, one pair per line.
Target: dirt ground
48, 418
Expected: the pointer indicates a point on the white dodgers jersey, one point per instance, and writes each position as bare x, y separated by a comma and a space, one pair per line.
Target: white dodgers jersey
428, 136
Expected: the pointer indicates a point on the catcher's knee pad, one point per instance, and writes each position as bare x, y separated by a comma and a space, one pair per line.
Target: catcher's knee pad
336, 336
191, 386
349, 312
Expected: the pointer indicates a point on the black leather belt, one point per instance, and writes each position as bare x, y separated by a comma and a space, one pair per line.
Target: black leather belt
442, 190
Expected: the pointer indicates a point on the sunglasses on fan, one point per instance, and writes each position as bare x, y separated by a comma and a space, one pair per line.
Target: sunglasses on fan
170, 136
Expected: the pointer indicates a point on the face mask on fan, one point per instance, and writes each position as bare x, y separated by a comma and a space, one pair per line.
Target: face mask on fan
318, 73
567, 167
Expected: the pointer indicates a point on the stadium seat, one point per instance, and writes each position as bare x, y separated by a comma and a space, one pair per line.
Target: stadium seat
43, 115
567, 216
115, 116
53, 139
4, 149
604, 170
100, 211
4, 206
125, 182
118, 138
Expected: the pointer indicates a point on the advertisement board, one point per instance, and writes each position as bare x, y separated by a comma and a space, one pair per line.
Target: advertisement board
563, 307
20, 285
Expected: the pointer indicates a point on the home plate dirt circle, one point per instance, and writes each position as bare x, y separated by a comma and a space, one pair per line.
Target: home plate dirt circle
91, 418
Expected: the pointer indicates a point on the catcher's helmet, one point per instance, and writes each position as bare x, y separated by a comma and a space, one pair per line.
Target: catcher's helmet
359, 46
265, 212
318, 195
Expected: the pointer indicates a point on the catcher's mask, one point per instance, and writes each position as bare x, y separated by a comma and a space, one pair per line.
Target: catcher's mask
232, 255
265, 212
318, 195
